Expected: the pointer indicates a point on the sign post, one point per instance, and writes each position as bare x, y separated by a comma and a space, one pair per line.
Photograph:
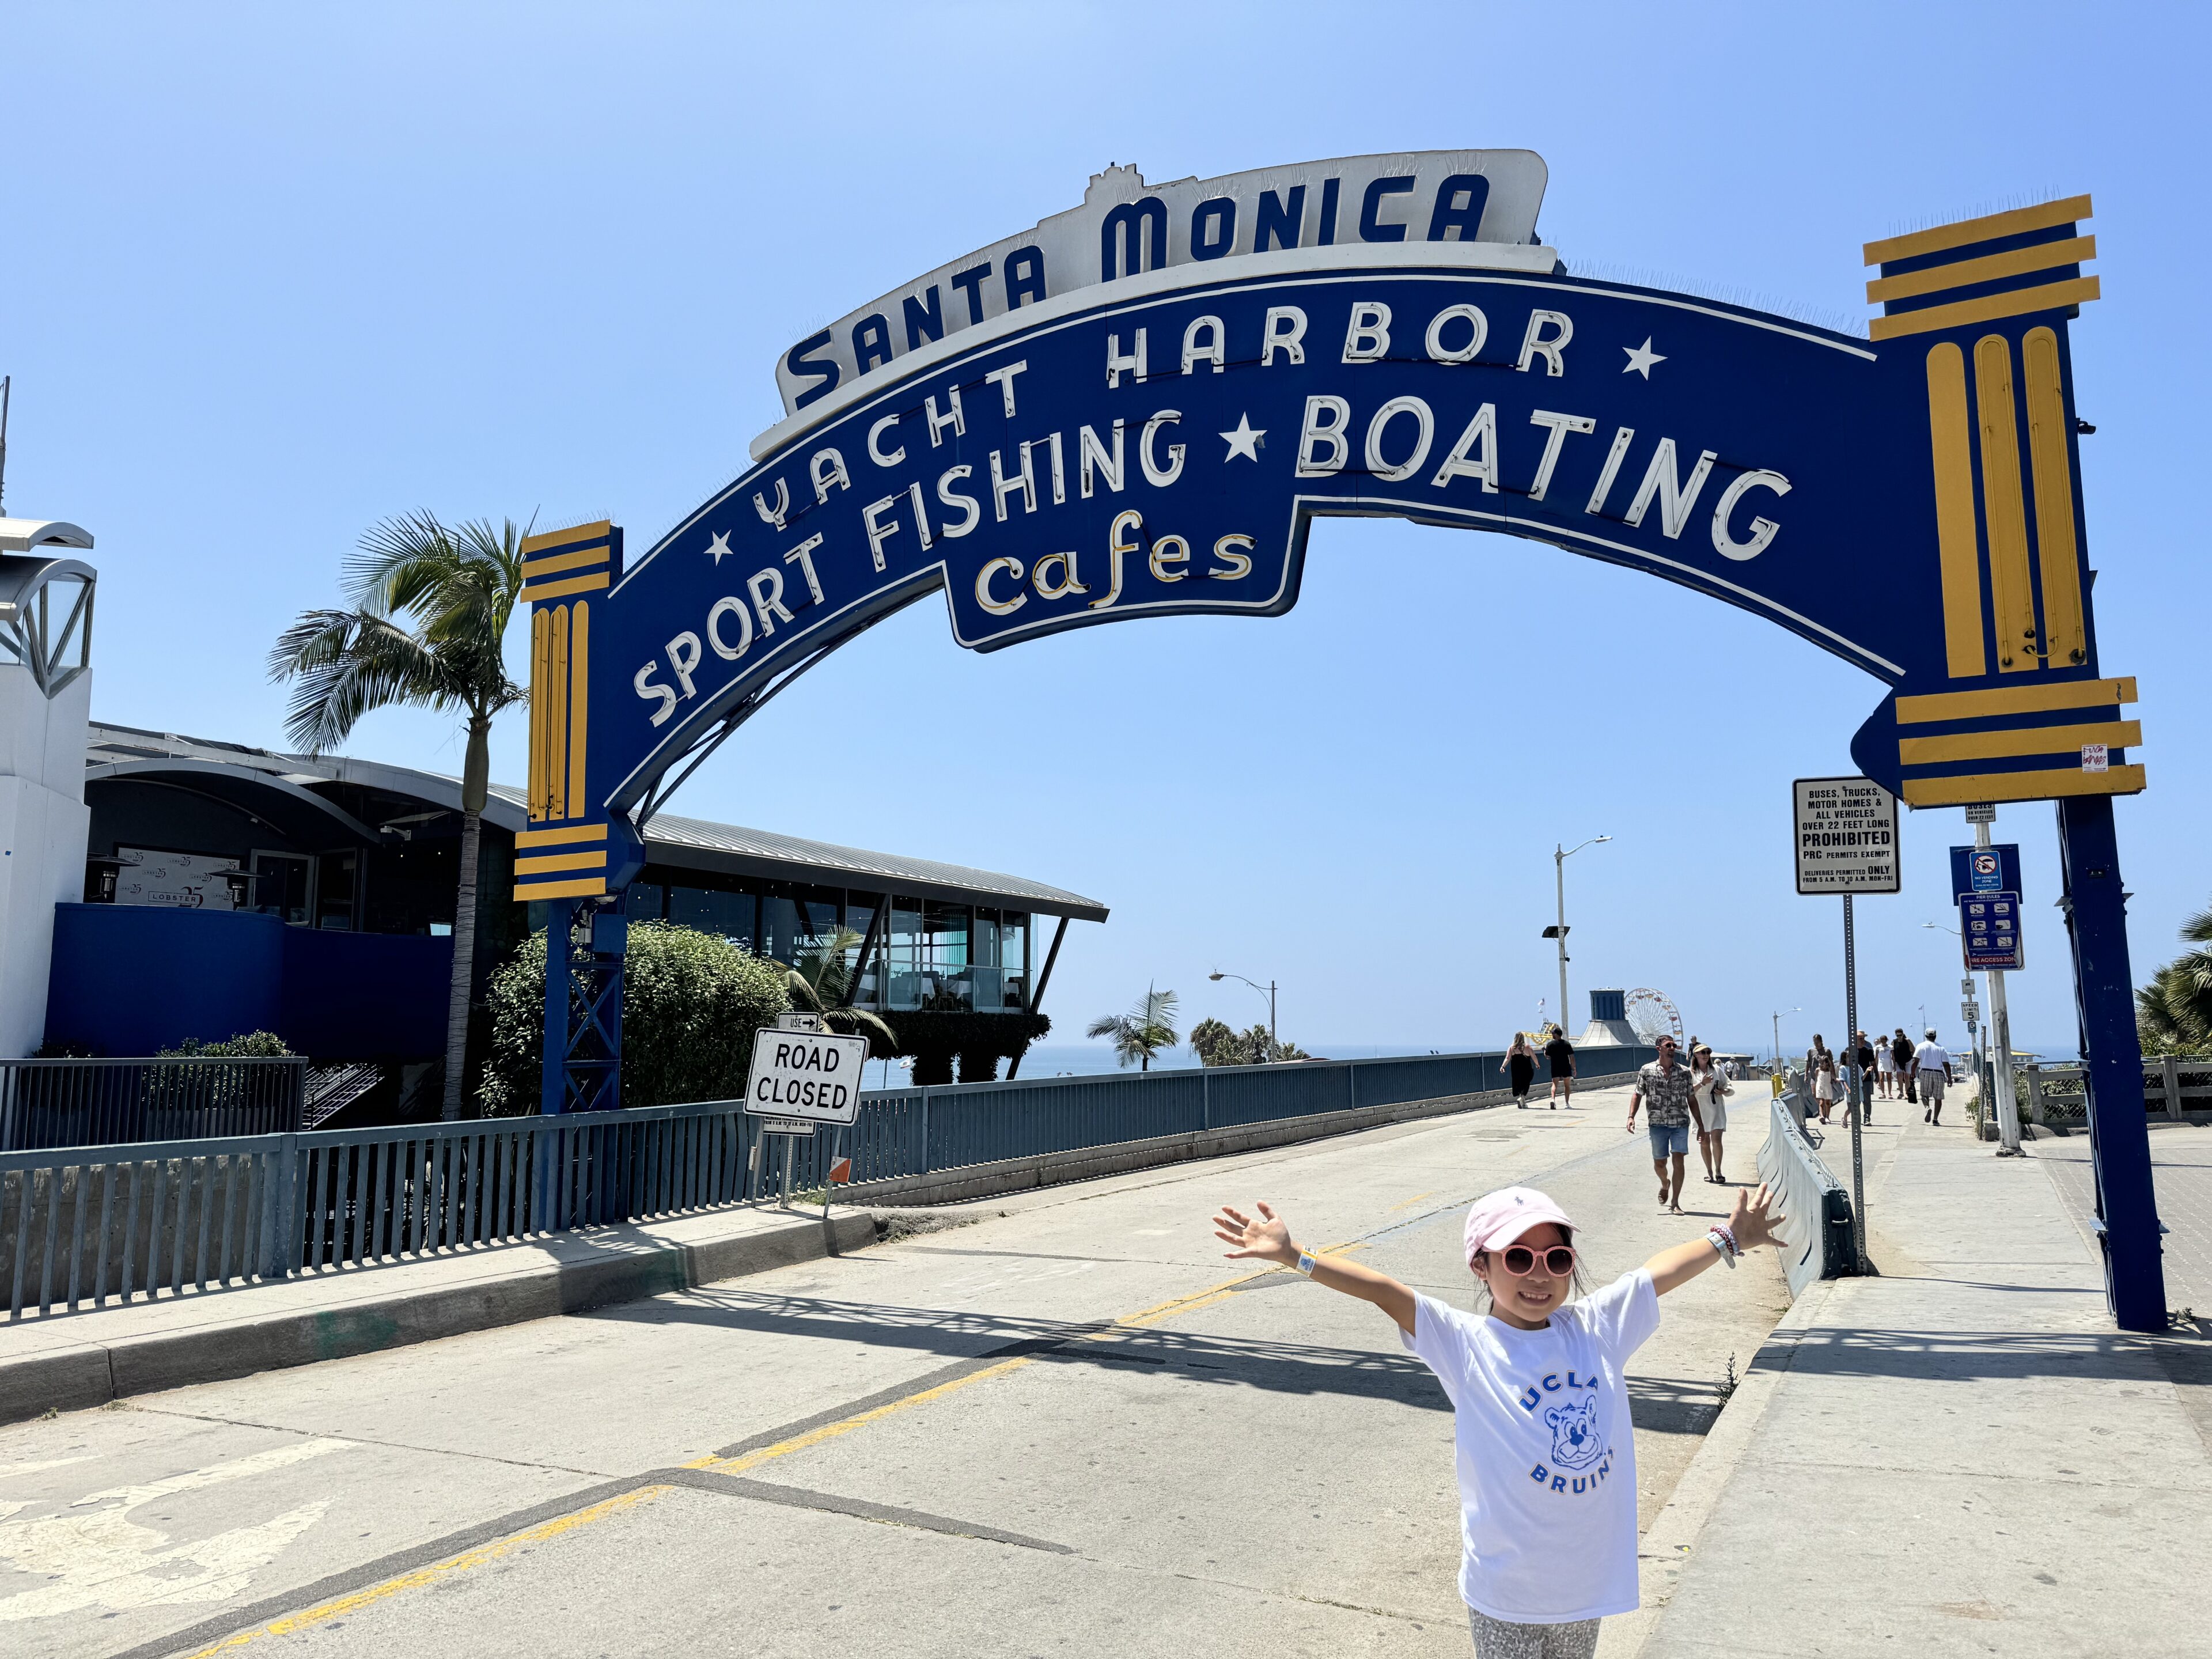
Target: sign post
1846, 834
1986, 881
801, 1076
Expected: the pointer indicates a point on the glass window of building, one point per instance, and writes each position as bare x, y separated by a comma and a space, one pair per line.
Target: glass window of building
646, 901
947, 930
1014, 958
732, 916
904, 956
859, 917
337, 890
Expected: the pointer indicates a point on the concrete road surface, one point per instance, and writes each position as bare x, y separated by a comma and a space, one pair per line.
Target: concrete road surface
1066, 1426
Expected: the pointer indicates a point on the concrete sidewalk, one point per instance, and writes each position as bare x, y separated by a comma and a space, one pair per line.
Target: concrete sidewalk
1961, 1455
67, 1362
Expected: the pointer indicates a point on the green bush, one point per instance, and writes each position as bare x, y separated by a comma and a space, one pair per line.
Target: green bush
690, 1005
246, 1045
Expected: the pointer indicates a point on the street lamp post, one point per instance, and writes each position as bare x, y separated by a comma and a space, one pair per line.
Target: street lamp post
1779, 1016
1268, 990
1559, 857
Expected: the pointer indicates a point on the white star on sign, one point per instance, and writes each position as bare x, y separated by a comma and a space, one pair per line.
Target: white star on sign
1245, 440
1640, 358
718, 546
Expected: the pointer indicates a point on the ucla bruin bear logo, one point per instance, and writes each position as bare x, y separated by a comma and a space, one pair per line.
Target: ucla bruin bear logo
1576, 1442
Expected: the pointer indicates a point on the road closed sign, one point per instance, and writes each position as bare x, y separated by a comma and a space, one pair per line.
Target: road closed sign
1846, 832
812, 1076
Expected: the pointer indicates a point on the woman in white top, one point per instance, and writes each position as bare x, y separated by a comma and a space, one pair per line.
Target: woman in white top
1545, 1454
1709, 1093
1884, 1068
1824, 1085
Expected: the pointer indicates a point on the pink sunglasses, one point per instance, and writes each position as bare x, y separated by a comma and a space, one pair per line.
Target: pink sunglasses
1520, 1260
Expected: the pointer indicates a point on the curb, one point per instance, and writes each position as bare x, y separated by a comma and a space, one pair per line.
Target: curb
1674, 1530
92, 1374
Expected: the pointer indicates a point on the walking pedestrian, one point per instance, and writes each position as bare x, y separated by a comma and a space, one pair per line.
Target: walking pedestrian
1931, 1070
1561, 1054
1543, 1445
1814, 1056
1901, 1051
1709, 1093
1824, 1086
1884, 1068
1521, 1064
1863, 1056
1666, 1087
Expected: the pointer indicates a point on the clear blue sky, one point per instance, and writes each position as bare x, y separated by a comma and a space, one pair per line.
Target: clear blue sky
273, 272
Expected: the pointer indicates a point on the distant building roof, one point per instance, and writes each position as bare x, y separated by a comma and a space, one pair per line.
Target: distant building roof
120, 751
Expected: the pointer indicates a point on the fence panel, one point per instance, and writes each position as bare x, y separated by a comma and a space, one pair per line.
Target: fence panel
53, 1104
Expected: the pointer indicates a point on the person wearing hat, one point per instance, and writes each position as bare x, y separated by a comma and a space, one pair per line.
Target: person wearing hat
1545, 1449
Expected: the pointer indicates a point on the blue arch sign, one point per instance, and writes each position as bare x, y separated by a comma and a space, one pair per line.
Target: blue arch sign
1142, 406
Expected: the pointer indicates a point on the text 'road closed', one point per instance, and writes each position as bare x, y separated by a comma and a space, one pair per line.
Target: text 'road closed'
814, 1075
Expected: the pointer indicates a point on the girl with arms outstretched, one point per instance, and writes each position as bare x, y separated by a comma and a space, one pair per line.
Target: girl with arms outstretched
1546, 1453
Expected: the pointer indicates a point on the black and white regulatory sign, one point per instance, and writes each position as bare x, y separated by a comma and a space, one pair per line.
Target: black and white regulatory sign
1846, 832
812, 1076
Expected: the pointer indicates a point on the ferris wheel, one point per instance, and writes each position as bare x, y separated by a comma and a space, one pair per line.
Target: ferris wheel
1653, 1015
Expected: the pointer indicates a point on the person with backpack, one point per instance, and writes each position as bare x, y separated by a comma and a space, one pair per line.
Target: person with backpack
1544, 1446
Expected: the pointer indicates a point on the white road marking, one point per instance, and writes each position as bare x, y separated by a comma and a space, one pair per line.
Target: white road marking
107, 1559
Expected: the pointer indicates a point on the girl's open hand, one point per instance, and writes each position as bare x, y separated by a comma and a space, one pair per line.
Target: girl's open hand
1267, 1239
1753, 1221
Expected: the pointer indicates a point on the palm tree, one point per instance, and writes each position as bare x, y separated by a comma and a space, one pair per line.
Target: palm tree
1146, 1028
820, 982
429, 622
2174, 1012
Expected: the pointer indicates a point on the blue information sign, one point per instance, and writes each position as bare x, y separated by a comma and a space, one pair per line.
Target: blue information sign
1986, 869
1989, 926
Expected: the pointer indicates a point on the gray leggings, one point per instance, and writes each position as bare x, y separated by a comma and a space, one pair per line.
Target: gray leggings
1496, 1639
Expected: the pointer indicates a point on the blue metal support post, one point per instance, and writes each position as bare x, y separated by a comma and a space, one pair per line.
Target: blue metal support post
585, 946
2104, 991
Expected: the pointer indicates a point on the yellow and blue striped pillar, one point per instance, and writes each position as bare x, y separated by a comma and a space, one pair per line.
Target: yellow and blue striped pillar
572, 846
2025, 712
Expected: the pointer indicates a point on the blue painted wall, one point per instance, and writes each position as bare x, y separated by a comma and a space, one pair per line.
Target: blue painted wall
132, 979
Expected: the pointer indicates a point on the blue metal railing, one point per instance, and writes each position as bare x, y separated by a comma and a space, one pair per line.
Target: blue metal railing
91, 1102
85, 1227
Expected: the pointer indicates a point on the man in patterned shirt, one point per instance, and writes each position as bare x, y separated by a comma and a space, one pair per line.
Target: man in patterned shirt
1664, 1086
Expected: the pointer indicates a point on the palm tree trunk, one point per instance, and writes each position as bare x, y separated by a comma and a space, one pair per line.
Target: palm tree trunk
475, 787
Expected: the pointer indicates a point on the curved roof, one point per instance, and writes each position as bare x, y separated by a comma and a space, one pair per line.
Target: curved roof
668, 839
119, 751
26, 535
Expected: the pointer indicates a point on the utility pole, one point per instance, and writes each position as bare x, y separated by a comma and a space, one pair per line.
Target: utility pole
6, 382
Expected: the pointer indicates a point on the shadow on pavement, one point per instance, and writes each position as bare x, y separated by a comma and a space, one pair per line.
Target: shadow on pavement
1278, 1367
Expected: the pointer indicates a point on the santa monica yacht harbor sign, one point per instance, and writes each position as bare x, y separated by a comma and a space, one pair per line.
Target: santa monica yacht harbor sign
1141, 407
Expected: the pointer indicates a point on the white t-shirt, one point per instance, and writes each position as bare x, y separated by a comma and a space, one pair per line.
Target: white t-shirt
1546, 1454
1931, 1057
1884, 1061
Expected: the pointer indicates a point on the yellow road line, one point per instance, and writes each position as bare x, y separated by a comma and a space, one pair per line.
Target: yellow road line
845, 1425
437, 1571
1409, 1203
816, 1437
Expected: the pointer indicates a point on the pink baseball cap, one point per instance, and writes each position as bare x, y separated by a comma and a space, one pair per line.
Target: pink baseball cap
1499, 1217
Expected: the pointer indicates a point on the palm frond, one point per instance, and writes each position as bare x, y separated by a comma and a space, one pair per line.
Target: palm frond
343, 665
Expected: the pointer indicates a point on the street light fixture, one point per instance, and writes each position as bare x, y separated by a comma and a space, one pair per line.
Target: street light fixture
1268, 990
1559, 857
